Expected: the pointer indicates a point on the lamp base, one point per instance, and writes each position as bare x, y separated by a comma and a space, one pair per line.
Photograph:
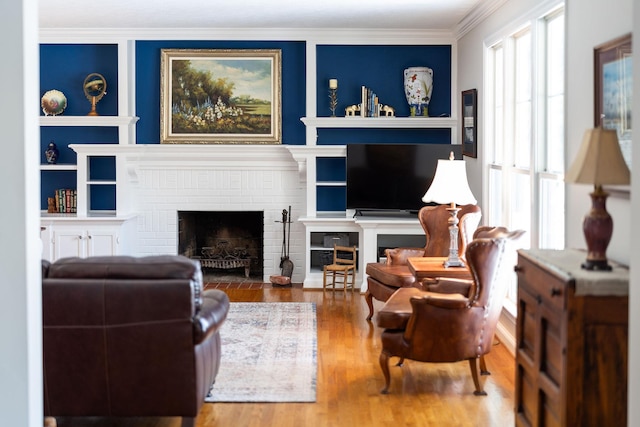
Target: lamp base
454, 258
596, 265
598, 228
454, 263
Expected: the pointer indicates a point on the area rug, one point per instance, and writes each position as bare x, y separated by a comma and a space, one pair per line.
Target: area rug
268, 354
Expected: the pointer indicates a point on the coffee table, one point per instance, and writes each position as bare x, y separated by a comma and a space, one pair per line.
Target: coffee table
431, 267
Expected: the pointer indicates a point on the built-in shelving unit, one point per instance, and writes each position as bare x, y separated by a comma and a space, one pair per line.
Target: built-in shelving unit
88, 162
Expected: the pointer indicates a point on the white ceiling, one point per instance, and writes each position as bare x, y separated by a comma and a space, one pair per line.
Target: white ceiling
381, 14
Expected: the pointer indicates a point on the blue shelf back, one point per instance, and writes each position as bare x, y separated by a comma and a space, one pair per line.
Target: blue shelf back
65, 66
329, 199
50, 181
381, 68
331, 169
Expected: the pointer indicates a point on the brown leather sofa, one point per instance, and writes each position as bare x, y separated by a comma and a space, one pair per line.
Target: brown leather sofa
125, 337
383, 279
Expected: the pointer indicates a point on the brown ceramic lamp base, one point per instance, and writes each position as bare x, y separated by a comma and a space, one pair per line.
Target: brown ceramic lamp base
598, 228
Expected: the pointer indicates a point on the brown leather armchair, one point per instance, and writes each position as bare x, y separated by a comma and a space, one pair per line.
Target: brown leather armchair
125, 337
451, 320
386, 278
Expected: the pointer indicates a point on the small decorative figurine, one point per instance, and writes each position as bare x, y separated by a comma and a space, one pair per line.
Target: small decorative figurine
351, 110
51, 153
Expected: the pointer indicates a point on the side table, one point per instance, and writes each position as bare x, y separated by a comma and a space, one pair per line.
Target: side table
431, 267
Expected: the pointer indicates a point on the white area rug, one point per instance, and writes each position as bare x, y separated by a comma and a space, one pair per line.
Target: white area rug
268, 354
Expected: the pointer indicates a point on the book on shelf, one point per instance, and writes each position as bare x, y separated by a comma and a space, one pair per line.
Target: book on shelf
66, 200
370, 105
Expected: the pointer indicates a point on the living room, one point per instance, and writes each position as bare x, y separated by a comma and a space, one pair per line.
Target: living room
614, 20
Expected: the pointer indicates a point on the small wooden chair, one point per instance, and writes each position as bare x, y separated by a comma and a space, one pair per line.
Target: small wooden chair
343, 267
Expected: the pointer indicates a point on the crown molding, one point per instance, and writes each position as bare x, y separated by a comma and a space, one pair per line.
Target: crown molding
317, 35
478, 14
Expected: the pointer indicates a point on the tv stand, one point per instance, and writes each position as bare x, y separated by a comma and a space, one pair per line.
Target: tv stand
386, 213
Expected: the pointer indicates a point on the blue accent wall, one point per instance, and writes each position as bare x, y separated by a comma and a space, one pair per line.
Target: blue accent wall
381, 68
148, 84
65, 66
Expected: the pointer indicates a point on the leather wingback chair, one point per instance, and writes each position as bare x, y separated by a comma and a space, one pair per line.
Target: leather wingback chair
126, 336
452, 320
385, 278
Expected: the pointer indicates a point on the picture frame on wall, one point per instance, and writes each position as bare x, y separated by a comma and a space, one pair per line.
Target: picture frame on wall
220, 96
469, 123
613, 90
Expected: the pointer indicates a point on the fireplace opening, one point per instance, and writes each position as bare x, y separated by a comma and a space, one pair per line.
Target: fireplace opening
228, 244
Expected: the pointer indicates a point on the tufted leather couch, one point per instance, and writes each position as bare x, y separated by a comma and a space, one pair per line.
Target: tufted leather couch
383, 279
125, 336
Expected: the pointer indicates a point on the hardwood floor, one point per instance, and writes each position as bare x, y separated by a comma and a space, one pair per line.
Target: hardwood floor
350, 379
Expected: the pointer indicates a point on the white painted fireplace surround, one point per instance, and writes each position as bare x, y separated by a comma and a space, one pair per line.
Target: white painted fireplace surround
165, 179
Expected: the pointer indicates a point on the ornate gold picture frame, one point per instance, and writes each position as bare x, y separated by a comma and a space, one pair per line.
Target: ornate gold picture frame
220, 96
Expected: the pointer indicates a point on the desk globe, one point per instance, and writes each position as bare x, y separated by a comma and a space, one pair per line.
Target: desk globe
95, 87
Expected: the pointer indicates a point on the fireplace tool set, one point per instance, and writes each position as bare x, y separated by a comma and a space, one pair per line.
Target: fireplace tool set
286, 265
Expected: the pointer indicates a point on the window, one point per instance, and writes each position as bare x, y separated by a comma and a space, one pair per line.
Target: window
525, 132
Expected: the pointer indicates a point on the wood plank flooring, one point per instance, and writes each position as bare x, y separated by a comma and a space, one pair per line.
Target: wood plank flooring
350, 379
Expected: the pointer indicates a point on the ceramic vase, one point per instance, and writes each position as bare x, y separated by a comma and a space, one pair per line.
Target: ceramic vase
418, 85
51, 153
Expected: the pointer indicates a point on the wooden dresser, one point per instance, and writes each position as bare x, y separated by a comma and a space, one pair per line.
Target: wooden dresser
571, 349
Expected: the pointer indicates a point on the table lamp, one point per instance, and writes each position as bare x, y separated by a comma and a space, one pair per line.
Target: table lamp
599, 162
450, 186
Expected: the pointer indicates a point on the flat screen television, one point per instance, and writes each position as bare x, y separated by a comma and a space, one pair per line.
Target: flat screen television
386, 178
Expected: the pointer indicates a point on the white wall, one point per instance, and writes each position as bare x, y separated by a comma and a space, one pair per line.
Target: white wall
614, 19
634, 253
20, 304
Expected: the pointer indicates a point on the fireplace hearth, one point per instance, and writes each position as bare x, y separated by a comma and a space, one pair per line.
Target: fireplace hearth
226, 243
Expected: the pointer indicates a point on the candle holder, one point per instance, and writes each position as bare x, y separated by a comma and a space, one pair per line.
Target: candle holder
333, 101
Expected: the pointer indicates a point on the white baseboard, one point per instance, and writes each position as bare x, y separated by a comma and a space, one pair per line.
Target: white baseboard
505, 331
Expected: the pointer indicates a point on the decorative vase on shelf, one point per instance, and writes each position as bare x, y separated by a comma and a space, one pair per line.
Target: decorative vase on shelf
51, 153
418, 85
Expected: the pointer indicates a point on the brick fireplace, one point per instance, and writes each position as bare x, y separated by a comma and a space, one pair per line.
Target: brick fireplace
167, 179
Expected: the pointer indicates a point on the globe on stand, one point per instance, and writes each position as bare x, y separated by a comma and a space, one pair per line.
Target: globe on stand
95, 87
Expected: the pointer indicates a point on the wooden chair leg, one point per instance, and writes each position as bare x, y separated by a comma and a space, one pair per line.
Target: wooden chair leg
384, 364
473, 364
369, 298
483, 367
324, 279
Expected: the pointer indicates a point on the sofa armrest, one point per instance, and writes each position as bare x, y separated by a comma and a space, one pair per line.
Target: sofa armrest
212, 314
398, 256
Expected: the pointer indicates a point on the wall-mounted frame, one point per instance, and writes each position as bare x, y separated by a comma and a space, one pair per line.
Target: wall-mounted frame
612, 91
469, 123
220, 96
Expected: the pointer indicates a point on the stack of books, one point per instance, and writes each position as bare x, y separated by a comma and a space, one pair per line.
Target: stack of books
66, 200
370, 106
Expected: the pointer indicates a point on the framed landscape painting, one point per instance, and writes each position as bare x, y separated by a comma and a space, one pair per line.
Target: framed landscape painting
220, 96
613, 90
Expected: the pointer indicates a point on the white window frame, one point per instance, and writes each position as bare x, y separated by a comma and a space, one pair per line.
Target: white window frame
536, 24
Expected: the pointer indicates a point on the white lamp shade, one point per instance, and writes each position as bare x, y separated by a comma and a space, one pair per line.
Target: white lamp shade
599, 160
450, 184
